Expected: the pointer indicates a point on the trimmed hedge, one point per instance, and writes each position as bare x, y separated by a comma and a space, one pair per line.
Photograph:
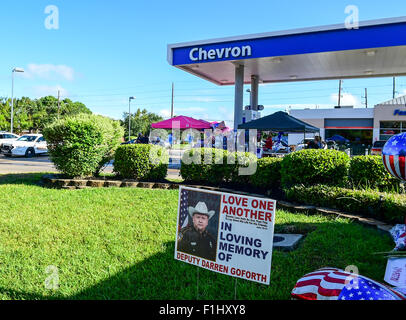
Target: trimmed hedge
312, 166
215, 166
141, 162
81, 145
268, 174
369, 172
381, 205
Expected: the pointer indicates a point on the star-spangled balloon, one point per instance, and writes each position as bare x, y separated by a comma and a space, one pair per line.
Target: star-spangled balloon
394, 156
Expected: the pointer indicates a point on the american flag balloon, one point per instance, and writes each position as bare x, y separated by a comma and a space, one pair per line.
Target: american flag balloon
394, 155
337, 284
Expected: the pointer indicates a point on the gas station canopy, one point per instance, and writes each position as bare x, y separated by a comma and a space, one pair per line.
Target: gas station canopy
377, 48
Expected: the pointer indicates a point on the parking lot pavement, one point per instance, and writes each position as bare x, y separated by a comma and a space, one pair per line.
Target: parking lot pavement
175, 157
25, 165
35, 164
43, 164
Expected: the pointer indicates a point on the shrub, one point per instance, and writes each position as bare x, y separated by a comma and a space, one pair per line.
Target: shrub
312, 166
369, 172
386, 206
81, 145
215, 166
205, 165
268, 174
141, 162
112, 138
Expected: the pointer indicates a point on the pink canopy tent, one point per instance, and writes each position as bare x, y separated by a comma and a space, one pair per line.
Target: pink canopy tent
183, 123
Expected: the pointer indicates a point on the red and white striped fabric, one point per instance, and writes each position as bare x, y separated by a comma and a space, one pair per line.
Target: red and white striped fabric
323, 284
394, 156
336, 284
395, 165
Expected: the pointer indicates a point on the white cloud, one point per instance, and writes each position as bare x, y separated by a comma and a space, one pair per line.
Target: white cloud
43, 90
49, 72
347, 99
164, 113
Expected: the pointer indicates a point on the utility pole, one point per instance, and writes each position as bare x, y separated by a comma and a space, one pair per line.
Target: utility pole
12, 96
366, 98
172, 101
339, 94
59, 103
394, 88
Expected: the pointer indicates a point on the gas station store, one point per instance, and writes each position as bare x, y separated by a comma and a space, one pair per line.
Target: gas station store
363, 125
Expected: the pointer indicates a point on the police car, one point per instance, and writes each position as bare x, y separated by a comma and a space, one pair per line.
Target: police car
7, 137
27, 145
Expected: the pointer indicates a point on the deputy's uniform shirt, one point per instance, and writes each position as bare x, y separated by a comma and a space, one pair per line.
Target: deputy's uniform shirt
198, 244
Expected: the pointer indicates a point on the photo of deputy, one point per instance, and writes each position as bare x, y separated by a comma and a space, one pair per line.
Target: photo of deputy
195, 238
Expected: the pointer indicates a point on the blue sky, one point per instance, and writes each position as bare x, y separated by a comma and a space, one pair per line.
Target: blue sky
106, 51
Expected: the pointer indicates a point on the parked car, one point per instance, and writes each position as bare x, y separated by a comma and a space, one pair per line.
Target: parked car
7, 137
158, 141
27, 145
377, 147
304, 143
338, 139
331, 144
133, 141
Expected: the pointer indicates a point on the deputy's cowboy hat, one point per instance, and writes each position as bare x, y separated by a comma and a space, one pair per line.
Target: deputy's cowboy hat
202, 209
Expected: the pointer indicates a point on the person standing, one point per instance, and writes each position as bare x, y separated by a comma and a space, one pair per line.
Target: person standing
269, 143
317, 142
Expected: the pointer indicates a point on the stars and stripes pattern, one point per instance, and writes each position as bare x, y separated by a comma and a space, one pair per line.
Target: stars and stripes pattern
394, 156
336, 284
183, 213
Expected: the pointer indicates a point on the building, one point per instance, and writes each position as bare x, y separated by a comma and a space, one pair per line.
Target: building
362, 125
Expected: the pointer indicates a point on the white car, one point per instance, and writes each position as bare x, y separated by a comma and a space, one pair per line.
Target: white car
27, 145
7, 137
303, 144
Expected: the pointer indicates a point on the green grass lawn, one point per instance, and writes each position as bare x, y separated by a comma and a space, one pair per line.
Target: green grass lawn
118, 243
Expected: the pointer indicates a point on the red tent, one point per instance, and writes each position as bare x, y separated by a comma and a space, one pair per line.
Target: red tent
181, 122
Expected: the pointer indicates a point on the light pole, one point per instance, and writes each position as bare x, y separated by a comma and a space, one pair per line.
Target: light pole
129, 116
12, 95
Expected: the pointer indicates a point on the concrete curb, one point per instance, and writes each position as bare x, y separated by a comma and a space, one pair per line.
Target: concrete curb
70, 184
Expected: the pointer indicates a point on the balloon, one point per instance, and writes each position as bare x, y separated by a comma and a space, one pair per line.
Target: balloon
394, 156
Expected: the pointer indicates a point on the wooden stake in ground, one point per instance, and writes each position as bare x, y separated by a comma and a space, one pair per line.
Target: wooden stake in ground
197, 283
235, 289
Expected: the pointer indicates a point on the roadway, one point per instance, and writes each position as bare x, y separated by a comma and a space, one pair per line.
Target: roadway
44, 164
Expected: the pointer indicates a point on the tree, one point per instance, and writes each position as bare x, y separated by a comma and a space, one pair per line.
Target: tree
82, 144
22, 118
68, 107
5, 114
34, 115
140, 122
